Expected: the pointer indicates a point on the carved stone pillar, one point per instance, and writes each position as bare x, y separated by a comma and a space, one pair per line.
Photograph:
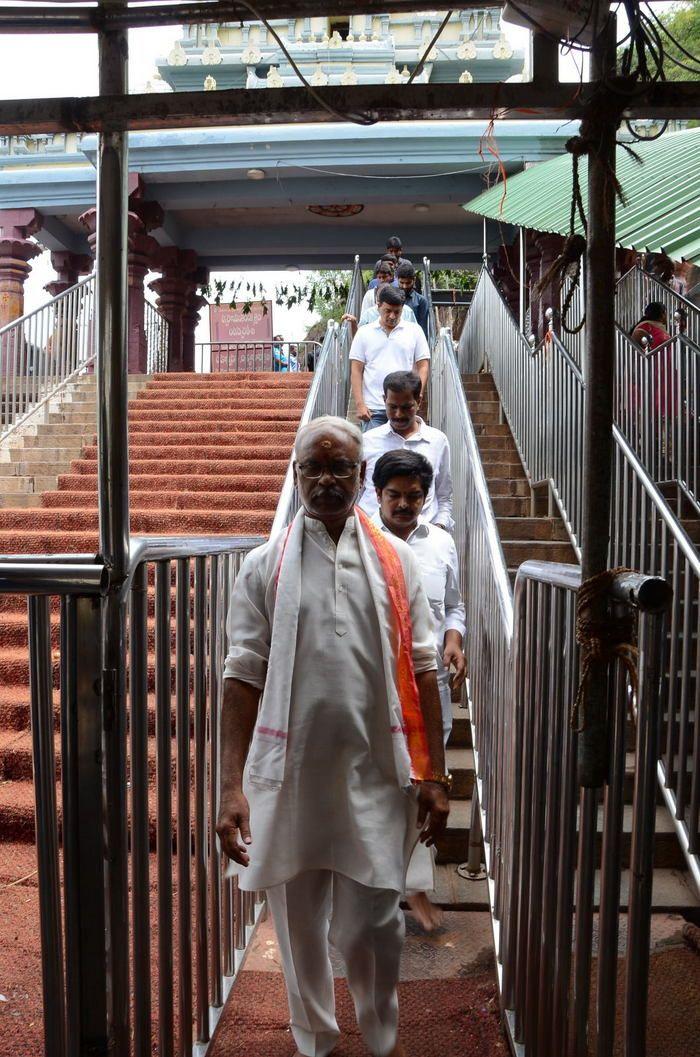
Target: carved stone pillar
68, 267
141, 255
550, 247
173, 291
16, 251
190, 319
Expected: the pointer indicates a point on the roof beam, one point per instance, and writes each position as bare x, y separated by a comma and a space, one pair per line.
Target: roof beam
428, 102
71, 19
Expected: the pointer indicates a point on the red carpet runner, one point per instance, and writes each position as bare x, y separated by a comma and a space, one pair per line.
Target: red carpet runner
208, 454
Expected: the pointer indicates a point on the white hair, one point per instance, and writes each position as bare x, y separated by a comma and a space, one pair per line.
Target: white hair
329, 422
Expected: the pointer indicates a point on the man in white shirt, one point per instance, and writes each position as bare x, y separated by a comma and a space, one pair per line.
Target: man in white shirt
380, 348
371, 315
402, 479
332, 758
404, 430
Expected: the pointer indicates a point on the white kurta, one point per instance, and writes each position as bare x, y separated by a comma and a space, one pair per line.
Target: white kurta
339, 807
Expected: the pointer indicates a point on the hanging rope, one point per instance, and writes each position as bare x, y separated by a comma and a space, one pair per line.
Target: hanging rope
614, 637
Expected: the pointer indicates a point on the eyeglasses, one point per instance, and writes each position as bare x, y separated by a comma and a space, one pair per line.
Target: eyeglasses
340, 470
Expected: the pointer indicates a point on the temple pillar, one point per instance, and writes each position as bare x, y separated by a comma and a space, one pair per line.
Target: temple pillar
190, 319
142, 252
550, 247
69, 267
16, 251
173, 291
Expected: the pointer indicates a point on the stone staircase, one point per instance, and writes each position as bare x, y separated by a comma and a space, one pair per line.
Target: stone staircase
528, 531
34, 455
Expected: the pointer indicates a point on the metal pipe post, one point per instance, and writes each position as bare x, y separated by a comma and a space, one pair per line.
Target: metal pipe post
598, 404
113, 500
44, 766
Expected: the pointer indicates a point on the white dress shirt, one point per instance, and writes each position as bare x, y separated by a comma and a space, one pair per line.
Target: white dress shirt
339, 806
426, 441
436, 555
369, 315
383, 352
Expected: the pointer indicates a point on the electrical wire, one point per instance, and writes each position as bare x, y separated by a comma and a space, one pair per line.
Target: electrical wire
404, 176
426, 53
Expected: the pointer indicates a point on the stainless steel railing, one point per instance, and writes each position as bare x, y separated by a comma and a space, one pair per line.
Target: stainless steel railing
283, 356
636, 288
41, 351
522, 662
541, 390
542, 394
330, 390
157, 336
192, 942
657, 408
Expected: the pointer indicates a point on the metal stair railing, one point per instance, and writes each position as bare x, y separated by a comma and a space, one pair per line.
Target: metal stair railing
636, 288
541, 391
157, 336
43, 350
176, 658
523, 670
657, 408
330, 389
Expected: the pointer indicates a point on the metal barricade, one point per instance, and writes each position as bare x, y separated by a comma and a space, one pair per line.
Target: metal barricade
177, 592
523, 667
279, 356
157, 336
41, 351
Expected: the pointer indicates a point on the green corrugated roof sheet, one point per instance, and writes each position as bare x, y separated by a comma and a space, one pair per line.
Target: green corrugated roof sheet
663, 196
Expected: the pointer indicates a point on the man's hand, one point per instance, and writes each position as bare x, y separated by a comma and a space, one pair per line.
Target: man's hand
443, 527
433, 805
363, 412
453, 656
234, 818
347, 317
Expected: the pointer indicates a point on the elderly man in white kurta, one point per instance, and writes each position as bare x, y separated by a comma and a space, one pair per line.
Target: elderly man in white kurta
332, 754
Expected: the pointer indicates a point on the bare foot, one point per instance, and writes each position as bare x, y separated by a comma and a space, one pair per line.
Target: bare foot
428, 916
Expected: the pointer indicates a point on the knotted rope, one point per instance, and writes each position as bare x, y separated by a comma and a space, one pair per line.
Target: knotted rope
614, 637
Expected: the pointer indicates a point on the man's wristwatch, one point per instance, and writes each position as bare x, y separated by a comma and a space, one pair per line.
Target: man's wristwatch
444, 780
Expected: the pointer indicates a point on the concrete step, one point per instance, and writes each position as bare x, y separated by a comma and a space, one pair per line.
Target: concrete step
50, 453
483, 380
510, 506
484, 406
516, 486
530, 528
502, 464
49, 438
518, 551
19, 500
460, 764
493, 429
461, 736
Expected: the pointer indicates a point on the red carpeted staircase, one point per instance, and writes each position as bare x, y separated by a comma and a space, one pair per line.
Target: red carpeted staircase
207, 455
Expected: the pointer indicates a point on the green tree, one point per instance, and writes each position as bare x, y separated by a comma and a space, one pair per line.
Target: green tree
682, 23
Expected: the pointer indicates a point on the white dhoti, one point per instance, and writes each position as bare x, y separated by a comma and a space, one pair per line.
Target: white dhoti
366, 927
331, 841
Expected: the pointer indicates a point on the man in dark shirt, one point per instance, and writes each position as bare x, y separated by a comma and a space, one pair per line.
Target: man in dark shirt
406, 275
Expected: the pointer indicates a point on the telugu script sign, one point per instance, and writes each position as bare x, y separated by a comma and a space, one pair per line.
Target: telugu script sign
230, 327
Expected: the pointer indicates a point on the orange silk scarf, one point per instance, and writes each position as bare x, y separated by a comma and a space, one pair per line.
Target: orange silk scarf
413, 725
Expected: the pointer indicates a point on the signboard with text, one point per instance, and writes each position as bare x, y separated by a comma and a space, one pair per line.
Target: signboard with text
238, 338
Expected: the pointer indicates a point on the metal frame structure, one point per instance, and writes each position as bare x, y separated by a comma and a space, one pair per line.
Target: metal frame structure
104, 1021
